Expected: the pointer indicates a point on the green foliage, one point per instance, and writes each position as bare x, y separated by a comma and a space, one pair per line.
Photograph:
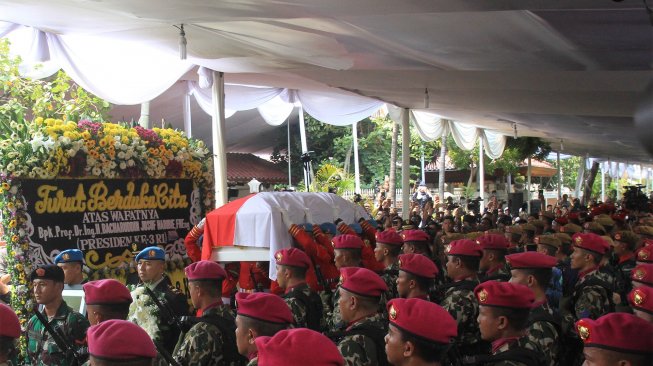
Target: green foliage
329, 177
56, 97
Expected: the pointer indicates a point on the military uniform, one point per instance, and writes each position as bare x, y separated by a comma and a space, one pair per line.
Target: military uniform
348, 242
390, 239
390, 274
501, 355
203, 344
460, 302
544, 333
358, 349
299, 307
500, 272
41, 348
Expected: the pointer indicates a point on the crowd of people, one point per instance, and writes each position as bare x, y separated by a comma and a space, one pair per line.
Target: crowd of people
568, 286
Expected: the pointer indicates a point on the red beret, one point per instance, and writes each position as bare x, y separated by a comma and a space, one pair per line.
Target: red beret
617, 332
205, 270
103, 292
643, 273
10, 324
347, 241
414, 235
505, 295
389, 237
418, 265
621, 217
645, 254
465, 247
530, 260
493, 241
362, 281
641, 298
590, 241
263, 306
292, 257
417, 317
562, 220
119, 340
300, 346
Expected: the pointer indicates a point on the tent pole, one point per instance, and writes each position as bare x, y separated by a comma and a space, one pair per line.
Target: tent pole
580, 177
405, 164
187, 116
559, 176
218, 138
528, 187
302, 136
144, 120
603, 182
288, 154
421, 145
443, 156
357, 177
481, 174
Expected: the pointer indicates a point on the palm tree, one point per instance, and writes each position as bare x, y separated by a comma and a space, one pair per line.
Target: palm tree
330, 177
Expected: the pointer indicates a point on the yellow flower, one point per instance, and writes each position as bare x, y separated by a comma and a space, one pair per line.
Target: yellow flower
12, 223
5, 186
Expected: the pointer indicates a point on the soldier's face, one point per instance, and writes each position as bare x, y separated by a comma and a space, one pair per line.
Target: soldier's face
379, 252
72, 272
46, 291
403, 284
394, 346
243, 337
345, 305
452, 266
281, 276
599, 357
408, 248
484, 264
518, 276
149, 271
488, 323
578, 259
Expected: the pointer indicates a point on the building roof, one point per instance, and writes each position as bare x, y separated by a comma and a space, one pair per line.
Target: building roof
241, 168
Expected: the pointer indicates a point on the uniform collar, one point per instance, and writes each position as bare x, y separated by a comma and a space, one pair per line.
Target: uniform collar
360, 320
501, 342
626, 257
494, 269
585, 273
299, 286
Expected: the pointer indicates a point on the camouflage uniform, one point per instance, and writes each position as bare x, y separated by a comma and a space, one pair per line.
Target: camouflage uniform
544, 333
462, 305
389, 276
203, 344
499, 273
360, 350
41, 348
334, 319
520, 343
298, 308
594, 300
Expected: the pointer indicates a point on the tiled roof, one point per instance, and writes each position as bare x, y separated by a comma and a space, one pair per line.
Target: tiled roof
241, 168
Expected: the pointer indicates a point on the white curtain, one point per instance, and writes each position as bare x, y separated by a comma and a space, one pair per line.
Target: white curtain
431, 126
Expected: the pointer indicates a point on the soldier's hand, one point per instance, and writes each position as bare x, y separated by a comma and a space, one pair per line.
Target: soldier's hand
308, 214
285, 218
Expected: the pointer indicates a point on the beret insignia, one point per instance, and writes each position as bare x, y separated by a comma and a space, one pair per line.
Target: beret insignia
583, 332
40, 272
639, 274
578, 240
392, 313
151, 253
278, 257
482, 296
639, 297
66, 256
643, 255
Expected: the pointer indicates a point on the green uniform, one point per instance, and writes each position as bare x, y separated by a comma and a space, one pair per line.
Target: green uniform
544, 333
500, 356
334, 318
359, 349
460, 302
305, 315
389, 276
204, 343
41, 348
500, 273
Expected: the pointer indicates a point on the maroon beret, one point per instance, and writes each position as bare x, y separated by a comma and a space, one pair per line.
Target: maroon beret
504, 295
590, 241
292, 257
414, 235
617, 332
527, 260
645, 254
362, 281
119, 340
300, 346
104, 292
205, 270
347, 241
389, 237
641, 298
464, 247
418, 265
264, 307
417, 317
10, 324
493, 241
643, 273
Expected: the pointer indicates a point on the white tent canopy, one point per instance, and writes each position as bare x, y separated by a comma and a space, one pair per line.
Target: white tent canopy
557, 69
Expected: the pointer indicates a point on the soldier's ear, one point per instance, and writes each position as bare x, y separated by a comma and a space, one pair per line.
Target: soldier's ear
409, 349
502, 322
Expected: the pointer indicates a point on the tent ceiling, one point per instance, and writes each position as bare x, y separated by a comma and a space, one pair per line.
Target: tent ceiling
559, 69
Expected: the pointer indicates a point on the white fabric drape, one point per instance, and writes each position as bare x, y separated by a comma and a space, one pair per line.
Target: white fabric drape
431, 126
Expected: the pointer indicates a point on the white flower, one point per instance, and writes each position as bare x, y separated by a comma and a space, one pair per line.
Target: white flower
121, 155
123, 165
97, 171
130, 162
11, 167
